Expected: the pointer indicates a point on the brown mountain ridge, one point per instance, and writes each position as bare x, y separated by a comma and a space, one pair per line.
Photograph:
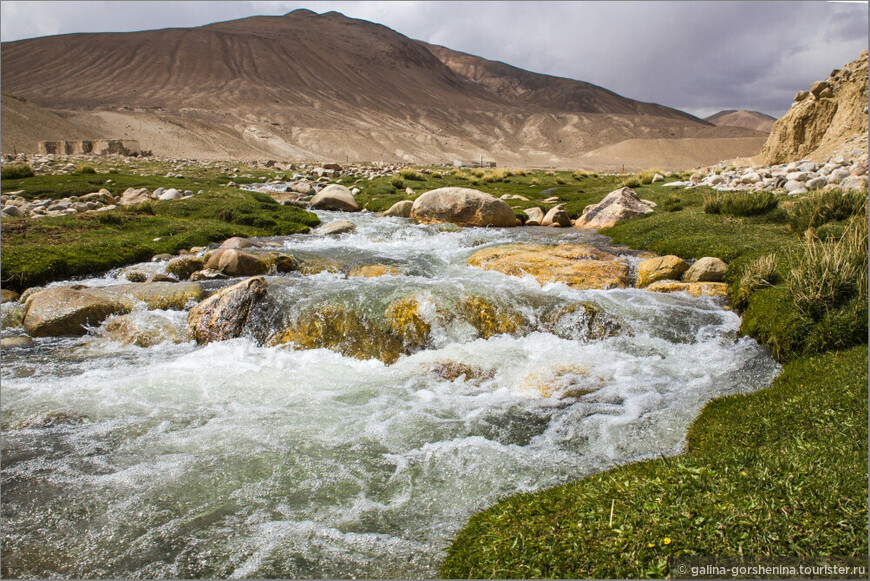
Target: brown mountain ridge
310, 87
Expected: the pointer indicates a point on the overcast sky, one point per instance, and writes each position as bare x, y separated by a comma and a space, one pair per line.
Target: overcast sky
700, 57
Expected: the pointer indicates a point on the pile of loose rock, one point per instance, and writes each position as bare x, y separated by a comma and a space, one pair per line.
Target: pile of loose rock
795, 178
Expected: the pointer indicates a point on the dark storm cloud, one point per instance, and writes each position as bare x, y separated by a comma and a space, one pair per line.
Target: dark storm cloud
697, 56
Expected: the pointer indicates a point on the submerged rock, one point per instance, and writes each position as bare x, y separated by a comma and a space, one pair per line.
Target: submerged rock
616, 206
562, 382
577, 265
337, 227
224, 315
373, 271
450, 370
462, 206
583, 321
50, 420
141, 329
172, 296
407, 323
17, 341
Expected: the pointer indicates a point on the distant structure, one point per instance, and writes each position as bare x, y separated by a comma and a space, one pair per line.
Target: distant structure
98, 147
481, 163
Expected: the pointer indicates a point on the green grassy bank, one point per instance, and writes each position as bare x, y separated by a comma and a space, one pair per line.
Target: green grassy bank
35, 252
782, 471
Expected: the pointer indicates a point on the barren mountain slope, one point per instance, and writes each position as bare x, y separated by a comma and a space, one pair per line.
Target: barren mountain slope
749, 119
308, 86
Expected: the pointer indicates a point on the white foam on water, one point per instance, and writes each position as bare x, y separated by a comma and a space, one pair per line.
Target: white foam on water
236, 460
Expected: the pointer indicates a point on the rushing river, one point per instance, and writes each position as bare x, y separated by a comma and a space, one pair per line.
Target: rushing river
237, 460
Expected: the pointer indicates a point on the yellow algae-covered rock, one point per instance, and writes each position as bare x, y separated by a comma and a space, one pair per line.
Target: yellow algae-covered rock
490, 319
336, 328
696, 289
156, 295
183, 266
407, 323
579, 266
668, 267
561, 382
320, 264
373, 270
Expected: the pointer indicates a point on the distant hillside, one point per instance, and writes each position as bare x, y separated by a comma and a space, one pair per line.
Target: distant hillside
748, 119
309, 86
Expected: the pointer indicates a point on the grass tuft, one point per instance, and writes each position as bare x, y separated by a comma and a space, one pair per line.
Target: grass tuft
16, 171
819, 208
740, 203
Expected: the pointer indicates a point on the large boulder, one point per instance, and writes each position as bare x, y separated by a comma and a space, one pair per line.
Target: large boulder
556, 216
617, 205
707, 269
462, 206
400, 209
66, 311
661, 268
237, 263
334, 197
224, 315
577, 265
134, 196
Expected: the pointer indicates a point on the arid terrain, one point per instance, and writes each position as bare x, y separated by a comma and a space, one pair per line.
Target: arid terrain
325, 87
748, 119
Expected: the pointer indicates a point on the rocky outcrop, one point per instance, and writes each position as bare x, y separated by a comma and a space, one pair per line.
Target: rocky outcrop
577, 265
463, 207
334, 197
662, 268
224, 315
68, 310
617, 205
828, 120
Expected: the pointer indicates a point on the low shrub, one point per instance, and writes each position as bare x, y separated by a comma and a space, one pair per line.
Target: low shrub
397, 182
757, 274
825, 274
631, 182
495, 175
87, 169
580, 174
16, 171
820, 208
413, 175
740, 203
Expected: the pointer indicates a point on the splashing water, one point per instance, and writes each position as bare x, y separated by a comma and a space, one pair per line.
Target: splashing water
237, 460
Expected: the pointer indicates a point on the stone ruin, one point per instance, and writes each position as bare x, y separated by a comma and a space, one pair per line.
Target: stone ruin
96, 146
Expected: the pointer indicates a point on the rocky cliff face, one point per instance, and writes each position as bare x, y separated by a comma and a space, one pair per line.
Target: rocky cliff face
830, 119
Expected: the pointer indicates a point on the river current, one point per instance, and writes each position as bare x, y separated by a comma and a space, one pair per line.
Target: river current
238, 460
